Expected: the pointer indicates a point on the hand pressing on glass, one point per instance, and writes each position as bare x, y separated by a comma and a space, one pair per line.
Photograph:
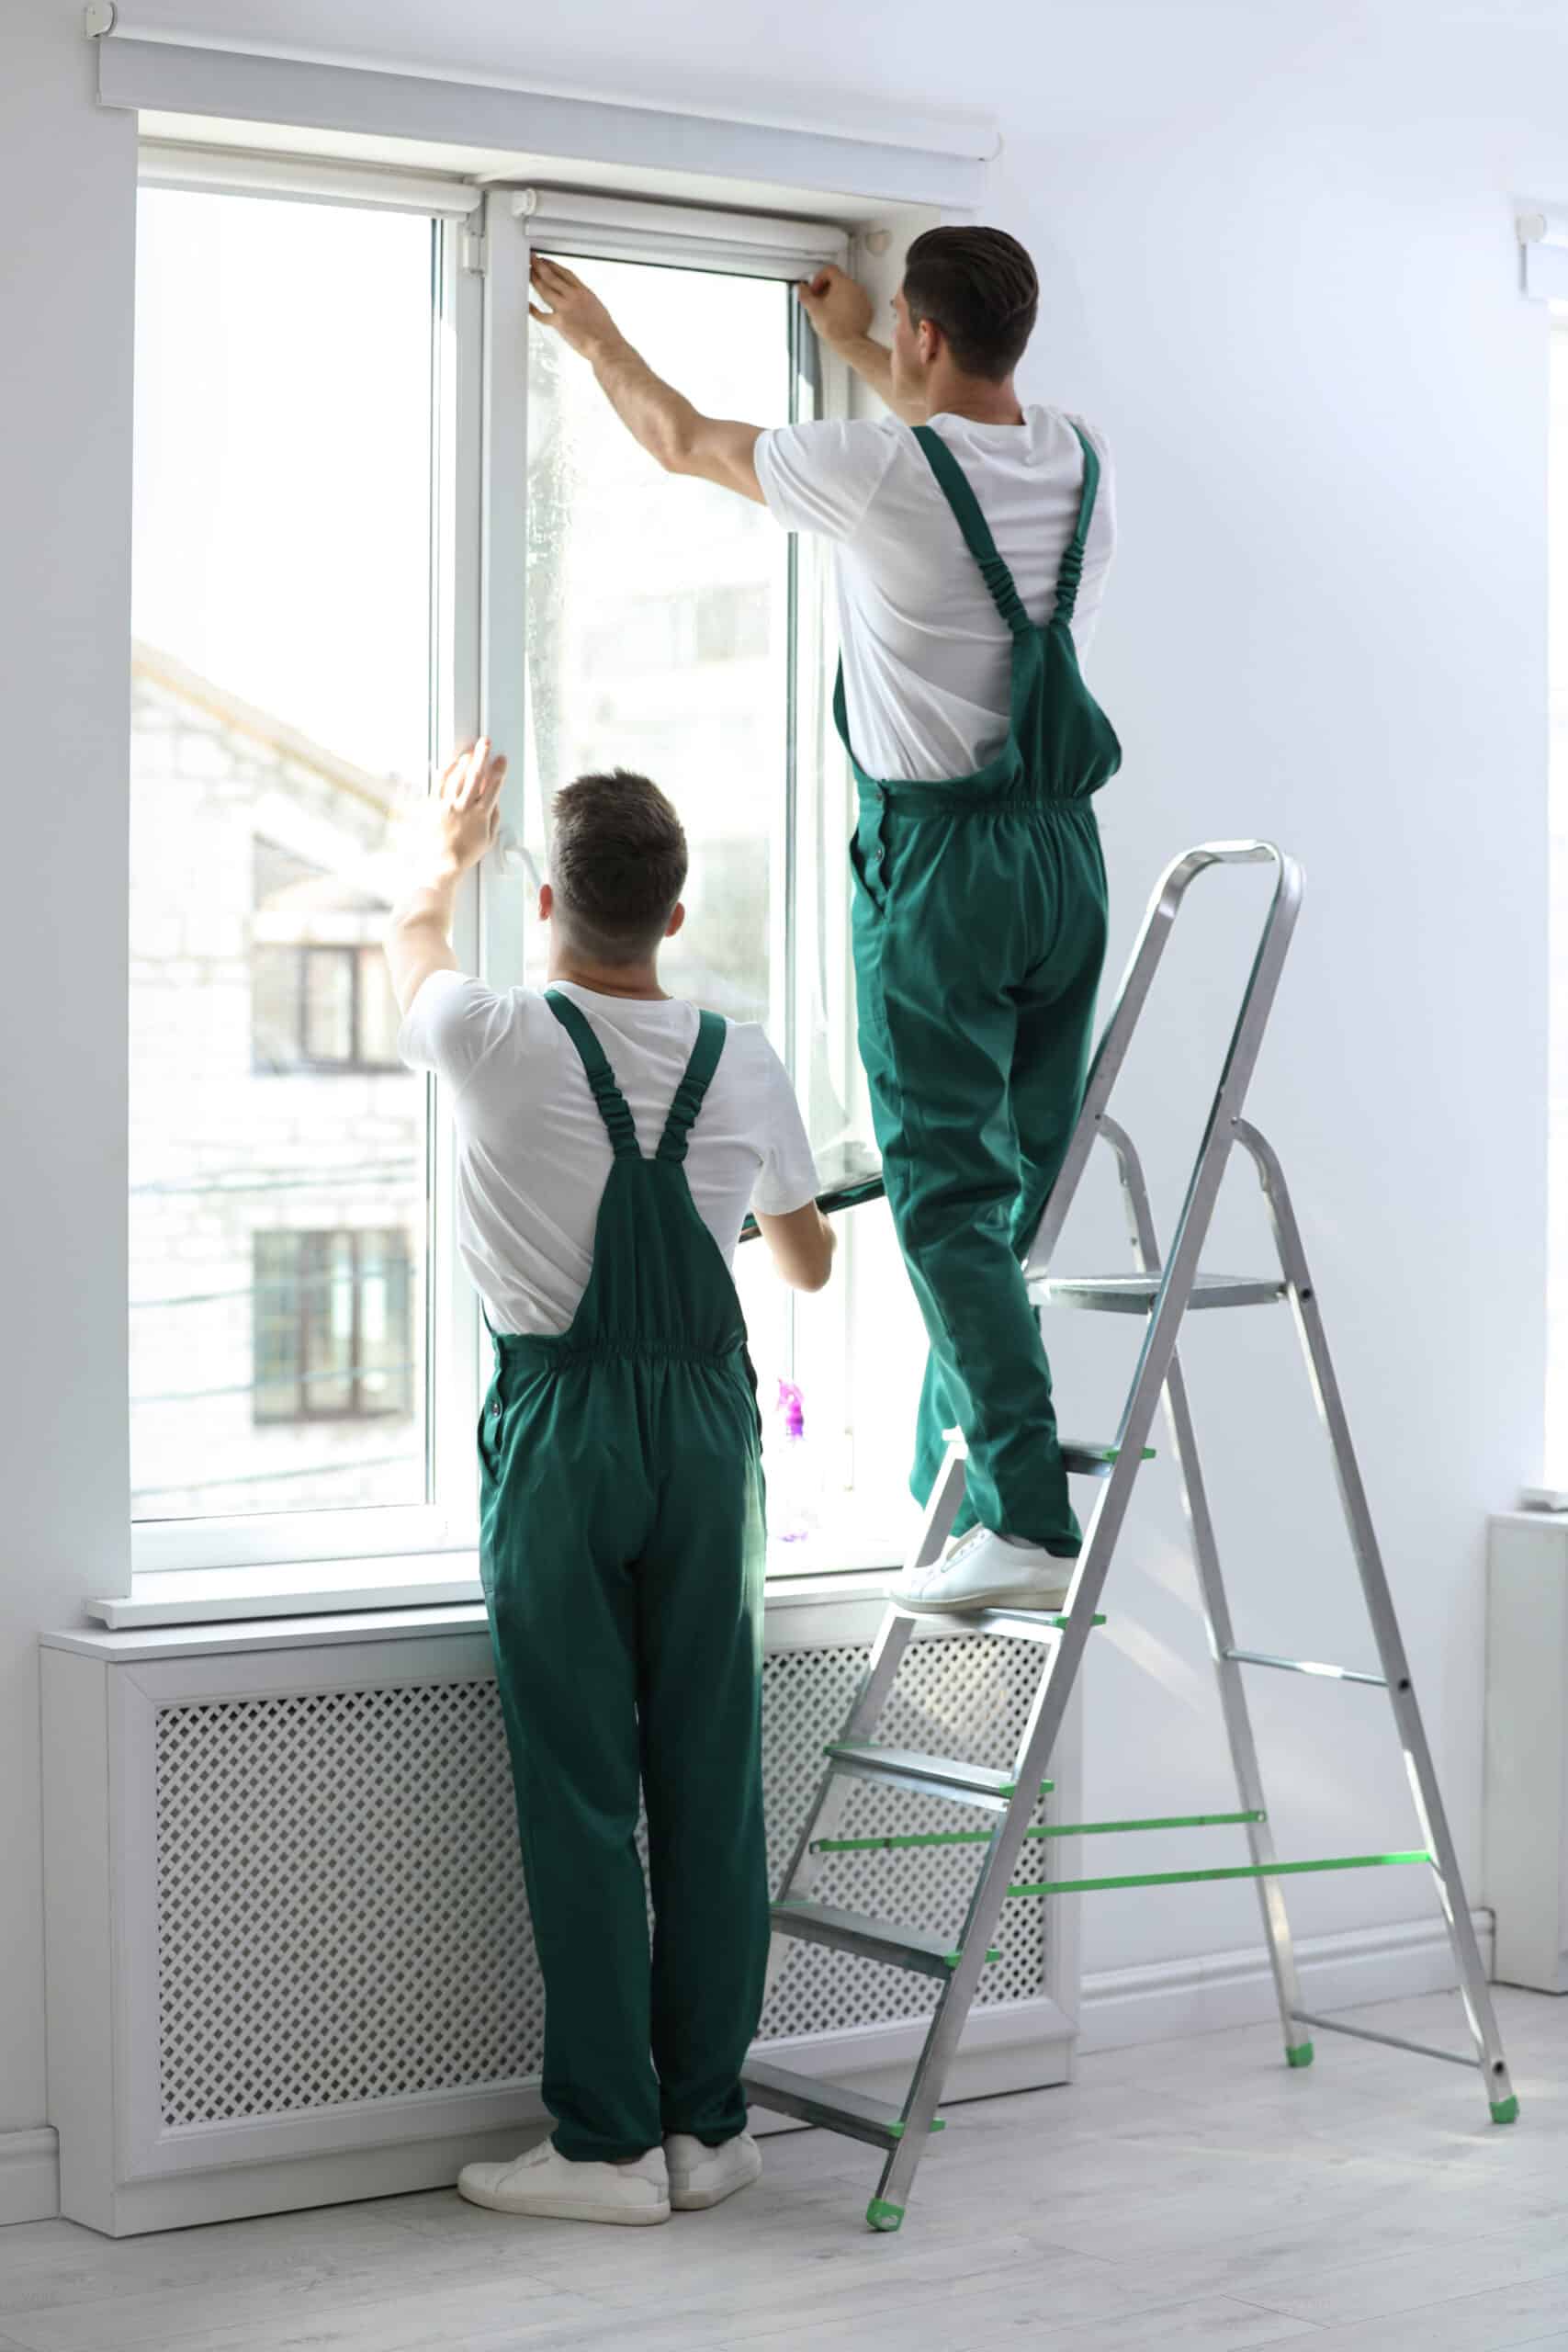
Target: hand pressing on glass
454, 827
575, 311
465, 808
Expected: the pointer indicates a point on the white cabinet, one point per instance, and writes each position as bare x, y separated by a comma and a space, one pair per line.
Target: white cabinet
1527, 1748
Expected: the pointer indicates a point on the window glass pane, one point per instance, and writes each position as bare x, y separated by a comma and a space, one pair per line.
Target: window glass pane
276, 1031
378, 1017
329, 1004
384, 1334
658, 623
330, 1318
658, 615
275, 1293
281, 705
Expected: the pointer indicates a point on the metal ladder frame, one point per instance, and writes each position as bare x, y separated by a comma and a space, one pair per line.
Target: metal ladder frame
1166, 1293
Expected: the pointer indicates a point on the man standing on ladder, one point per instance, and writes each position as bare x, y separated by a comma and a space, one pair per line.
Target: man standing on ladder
980, 909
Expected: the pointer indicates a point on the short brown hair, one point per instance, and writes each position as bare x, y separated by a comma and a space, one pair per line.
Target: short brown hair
978, 286
618, 864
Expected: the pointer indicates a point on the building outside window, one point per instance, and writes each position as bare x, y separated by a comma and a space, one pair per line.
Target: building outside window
332, 1327
320, 995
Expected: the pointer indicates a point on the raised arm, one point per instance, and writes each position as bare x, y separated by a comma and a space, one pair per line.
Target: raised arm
677, 435
840, 310
456, 828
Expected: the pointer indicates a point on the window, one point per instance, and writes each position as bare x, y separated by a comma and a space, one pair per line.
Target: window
362, 486
671, 626
323, 1009
320, 996
333, 1329
283, 703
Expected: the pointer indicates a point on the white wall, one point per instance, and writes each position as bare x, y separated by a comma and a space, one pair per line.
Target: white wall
66, 184
1276, 260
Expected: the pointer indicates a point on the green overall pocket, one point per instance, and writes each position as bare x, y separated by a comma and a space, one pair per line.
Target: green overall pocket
869, 854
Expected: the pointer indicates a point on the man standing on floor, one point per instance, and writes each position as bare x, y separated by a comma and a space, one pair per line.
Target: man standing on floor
621, 1508
980, 910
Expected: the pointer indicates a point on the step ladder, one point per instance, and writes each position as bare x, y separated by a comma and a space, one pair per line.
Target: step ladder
1163, 1295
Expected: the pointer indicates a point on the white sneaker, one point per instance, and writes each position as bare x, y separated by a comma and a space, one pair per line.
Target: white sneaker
986, 1571
549, 2185
701, 2175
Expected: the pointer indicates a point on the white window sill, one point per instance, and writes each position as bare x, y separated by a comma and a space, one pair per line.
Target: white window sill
850, 1556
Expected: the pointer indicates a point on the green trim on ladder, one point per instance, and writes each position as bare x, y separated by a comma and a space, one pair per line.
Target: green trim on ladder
882, 2215
896, 2130
1239, 1870
1504, 2110
1037, 1830
1298, 2053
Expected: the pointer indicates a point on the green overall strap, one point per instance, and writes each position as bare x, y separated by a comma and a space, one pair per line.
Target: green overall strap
612, 1102
1071, 571
955, 487
712, 1029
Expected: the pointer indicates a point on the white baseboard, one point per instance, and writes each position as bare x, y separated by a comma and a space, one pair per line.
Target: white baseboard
1123, 2006
29, 2176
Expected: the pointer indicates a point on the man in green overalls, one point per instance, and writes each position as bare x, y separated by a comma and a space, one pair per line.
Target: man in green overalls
620, 1542
980, 911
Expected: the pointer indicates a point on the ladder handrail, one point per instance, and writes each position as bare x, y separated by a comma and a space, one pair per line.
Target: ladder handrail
1165, 905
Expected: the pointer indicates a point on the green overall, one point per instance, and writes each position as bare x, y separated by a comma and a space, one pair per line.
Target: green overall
979, 932
621, 1548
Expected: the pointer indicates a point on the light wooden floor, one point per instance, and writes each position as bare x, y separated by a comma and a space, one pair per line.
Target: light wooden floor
1189, 2195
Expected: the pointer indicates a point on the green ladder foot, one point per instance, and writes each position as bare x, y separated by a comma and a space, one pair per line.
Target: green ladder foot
1298, 2053
1504, 2110
884, 2216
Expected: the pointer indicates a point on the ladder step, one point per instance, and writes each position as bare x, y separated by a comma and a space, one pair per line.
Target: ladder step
1084, 1461
832, 2104
933, 1776
1082, 1457
1020, 1625
1305, 1666
1135, 1294
818, 1923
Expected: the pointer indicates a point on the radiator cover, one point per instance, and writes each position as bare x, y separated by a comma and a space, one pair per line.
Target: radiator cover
317, 1940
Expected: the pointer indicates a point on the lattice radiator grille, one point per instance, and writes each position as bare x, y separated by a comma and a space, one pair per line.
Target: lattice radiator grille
340, 1914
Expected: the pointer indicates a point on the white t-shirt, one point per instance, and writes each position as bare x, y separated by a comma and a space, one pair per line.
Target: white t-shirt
533, 1153
926, 655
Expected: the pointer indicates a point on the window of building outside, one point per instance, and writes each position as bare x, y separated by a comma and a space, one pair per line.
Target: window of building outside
332, 1327
288, 1272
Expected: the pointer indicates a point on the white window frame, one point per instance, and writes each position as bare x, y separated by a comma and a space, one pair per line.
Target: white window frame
480, 591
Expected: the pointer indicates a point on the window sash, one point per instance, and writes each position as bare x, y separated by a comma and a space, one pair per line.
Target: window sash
447, 1521
479, 579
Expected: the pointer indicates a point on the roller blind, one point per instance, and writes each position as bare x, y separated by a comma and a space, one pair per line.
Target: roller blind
613, 229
